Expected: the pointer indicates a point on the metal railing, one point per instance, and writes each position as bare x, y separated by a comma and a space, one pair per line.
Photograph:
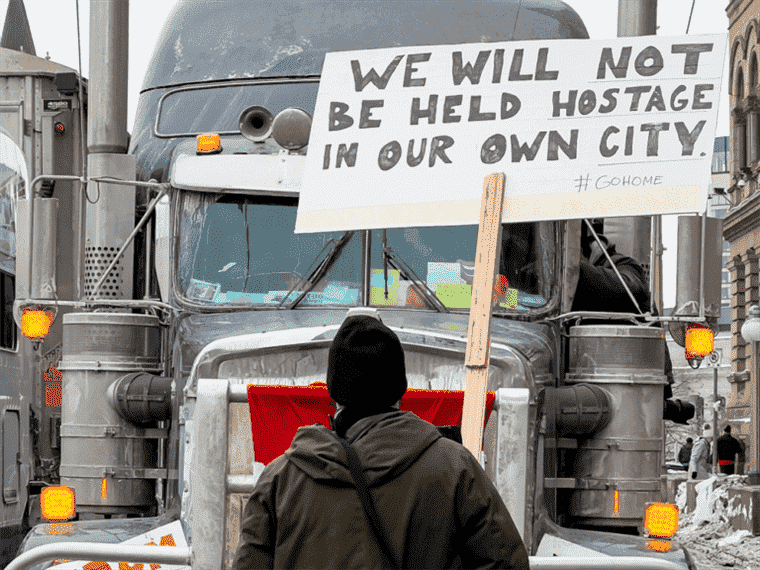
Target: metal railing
183, 556
606, 562
97, 551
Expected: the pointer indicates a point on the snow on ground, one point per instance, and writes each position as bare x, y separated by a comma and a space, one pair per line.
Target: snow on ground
706, 532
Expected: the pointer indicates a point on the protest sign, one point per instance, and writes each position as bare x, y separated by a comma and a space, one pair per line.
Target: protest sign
404, 136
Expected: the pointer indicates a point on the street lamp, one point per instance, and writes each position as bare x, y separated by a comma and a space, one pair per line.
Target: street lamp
751, 332
751, 327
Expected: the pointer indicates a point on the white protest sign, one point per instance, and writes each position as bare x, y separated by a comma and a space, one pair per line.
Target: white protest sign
168, 535
405, 136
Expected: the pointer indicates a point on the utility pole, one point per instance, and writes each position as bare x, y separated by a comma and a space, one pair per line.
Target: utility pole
715, 419
643, 233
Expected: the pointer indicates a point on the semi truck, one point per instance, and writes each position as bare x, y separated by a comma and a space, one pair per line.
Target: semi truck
185, 326
39, 134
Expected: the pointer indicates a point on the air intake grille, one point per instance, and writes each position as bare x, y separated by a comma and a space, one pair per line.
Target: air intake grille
96, 261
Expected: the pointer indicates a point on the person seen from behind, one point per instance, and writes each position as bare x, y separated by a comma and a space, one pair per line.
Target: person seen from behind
728, 449
684, 455
701, 458
435, 506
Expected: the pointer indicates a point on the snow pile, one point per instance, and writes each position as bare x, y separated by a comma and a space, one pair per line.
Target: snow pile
706, 500
734, 539
707, 532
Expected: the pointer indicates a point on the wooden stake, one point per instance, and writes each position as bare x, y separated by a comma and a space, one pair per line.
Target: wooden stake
477, 354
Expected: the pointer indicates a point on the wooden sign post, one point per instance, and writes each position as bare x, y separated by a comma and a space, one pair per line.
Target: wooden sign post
477, 354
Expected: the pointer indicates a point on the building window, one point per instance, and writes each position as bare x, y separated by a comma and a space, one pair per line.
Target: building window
720, 155
719, 212
740, 127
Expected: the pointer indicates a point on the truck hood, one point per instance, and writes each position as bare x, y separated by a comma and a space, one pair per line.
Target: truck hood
204, 342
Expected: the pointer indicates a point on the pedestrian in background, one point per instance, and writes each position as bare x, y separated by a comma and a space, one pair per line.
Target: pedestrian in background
684, 456
699, 464
728, 449
425, 503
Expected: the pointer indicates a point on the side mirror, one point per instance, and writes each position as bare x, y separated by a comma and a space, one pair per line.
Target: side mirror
36, 269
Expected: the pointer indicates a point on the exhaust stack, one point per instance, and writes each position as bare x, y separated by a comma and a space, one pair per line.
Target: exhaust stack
111, 218
108, 461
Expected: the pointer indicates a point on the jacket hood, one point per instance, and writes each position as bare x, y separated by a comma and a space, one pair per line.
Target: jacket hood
387, 445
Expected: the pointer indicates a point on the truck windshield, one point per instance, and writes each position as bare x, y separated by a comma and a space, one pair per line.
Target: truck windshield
242, 250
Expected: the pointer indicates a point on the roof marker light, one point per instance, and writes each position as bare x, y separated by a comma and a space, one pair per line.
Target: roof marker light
208, 143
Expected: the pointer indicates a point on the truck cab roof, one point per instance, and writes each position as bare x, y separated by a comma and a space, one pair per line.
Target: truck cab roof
290, 38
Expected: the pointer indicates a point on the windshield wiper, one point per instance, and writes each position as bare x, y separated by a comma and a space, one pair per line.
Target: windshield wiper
391, 258
321, 270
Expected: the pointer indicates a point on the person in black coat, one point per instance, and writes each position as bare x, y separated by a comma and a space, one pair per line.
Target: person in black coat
685, 454
436, 506
728, 449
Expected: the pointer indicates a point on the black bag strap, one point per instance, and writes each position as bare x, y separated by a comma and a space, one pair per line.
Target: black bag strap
354, 466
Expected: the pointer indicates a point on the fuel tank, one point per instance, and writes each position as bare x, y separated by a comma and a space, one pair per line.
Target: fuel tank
617, 470
104, 457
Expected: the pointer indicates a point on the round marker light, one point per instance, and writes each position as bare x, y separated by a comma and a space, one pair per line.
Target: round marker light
699, 341
291, 128
35, 324
59, 129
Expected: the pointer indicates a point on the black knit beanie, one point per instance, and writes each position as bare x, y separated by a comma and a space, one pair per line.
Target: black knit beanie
365, 366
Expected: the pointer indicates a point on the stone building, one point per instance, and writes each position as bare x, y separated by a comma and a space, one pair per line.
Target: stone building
742, 221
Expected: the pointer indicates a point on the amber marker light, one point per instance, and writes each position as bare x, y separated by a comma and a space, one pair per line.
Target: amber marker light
57, 503
35, 324
616, 503
659, 545
104, 489
699, 341
208, 143
59, 528
661, 520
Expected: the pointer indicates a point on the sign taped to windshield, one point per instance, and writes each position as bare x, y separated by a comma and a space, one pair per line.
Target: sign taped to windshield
405, 136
